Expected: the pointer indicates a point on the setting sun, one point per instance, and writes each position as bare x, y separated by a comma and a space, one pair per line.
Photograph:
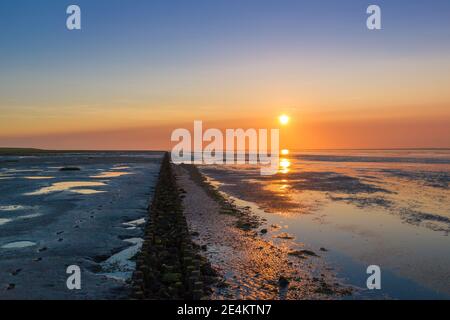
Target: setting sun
284, 119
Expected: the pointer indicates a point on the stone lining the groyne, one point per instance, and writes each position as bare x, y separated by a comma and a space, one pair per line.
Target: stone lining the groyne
169, 266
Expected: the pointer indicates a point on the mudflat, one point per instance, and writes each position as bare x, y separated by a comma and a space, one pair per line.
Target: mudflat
91, 217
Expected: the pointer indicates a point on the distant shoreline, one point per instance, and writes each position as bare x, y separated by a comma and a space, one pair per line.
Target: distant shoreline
35, 151
12, 151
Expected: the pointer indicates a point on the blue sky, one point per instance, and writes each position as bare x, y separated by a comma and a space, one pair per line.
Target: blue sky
167, 30
171, 57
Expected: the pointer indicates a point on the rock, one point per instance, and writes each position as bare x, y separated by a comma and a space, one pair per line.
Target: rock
70, 169
283, 281
285, 236
16, 272
323, 249
100, 258
171, 277
302, 253
325, 289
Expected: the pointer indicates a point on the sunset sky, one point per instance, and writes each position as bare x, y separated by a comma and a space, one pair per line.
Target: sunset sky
139, 69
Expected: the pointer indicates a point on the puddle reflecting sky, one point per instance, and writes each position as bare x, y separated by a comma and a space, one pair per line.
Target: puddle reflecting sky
110, 174
120, 265
18, 245
3, 221
120, 167
13, 208
68, 186
39, 178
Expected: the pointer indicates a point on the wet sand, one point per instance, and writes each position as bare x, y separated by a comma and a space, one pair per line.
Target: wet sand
250, 266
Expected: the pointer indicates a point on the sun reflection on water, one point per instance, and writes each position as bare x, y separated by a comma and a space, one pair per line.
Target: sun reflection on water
285, 165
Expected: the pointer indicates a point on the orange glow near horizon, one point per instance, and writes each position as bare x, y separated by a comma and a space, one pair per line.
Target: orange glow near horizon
306, 133
311, 121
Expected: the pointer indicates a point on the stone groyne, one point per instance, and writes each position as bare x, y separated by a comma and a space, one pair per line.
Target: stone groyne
169, 266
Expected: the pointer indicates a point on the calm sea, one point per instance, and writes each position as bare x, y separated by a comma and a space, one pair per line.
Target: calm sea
357, 208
